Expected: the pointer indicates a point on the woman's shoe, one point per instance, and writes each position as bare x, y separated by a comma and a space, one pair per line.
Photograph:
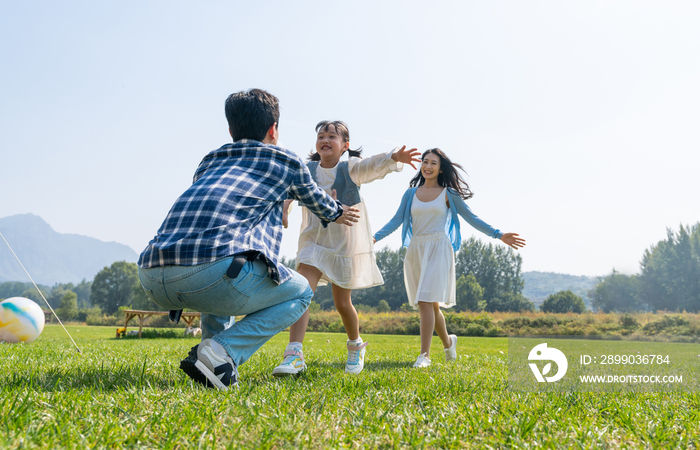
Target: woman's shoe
422, 361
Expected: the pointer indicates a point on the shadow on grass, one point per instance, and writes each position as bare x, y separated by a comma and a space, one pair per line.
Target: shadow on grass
323, 370
105, 378
110, 377
370, 366
386, 365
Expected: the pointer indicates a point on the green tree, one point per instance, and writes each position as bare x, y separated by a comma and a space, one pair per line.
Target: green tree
69, 306
93, 312
82, 290
670, 278
470, 296
55, 295
10, 289
383, 306
497, 270
563, 302
617, 292
291, 263
406, 307
114, 286
510, 302
33, 294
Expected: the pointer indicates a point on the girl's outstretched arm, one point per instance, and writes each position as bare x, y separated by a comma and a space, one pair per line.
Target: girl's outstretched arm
397, 220
471, 218
377, 166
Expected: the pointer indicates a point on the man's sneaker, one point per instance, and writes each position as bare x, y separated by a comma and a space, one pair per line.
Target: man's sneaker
292, 364
422, 361
356, 358
451, 353
187, 365
218, 371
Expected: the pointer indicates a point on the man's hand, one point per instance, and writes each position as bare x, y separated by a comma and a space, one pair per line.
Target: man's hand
350, 215
406, 156
285, 212
513, 241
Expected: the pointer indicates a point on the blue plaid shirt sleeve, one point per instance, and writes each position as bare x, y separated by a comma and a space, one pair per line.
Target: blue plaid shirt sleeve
313, 197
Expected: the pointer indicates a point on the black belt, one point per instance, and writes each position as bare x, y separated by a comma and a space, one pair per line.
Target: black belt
239, 261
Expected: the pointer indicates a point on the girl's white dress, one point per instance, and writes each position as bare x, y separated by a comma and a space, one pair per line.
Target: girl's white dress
343, 254
429, 266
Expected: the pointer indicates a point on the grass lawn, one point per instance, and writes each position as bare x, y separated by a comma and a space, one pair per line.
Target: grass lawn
129, 393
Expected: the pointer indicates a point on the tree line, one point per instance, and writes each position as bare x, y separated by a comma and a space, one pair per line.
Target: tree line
113, 287
488, 278
669, 279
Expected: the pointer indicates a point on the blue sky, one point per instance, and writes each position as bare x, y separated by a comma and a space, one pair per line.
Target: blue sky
576, 121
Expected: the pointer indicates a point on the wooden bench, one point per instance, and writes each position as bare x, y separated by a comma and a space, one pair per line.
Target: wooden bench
188, 317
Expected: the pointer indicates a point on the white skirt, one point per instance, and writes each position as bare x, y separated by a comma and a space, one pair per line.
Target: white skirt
343, 254
429, 270
358, 271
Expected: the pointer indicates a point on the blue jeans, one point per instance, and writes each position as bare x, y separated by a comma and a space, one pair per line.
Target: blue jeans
268, 307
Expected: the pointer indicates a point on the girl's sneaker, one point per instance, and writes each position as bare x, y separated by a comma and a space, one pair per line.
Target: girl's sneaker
422, 361
292, 364
356, 358
451, 353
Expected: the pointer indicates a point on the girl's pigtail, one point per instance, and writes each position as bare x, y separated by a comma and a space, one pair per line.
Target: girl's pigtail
355, 153
314, 156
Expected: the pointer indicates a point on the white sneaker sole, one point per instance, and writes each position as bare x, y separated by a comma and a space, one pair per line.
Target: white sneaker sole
283, 371
354, 371
213, 379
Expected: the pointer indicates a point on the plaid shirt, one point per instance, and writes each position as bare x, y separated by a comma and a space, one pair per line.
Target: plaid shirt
235, 205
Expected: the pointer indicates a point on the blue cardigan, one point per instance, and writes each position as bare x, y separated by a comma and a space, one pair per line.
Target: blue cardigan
457, 206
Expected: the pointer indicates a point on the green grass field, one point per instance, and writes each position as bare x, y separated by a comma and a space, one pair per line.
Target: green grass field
129, 393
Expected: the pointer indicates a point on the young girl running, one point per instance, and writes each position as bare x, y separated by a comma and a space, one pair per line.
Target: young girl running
428, 212
335, 254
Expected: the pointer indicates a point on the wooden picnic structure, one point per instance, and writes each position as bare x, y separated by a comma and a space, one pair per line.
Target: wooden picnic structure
187, 317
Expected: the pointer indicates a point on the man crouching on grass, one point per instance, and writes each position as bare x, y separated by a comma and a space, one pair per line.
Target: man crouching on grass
217, 250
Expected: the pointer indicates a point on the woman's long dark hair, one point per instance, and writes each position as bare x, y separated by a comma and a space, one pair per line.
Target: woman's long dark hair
449, 177
342, 129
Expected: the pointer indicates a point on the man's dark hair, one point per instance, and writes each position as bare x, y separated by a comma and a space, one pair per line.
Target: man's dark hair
251, 113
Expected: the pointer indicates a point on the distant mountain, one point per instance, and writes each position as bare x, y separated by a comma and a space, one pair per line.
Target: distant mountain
52, 257
539, 285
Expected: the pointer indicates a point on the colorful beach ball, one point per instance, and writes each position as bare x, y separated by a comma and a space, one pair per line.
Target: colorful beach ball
21, 320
